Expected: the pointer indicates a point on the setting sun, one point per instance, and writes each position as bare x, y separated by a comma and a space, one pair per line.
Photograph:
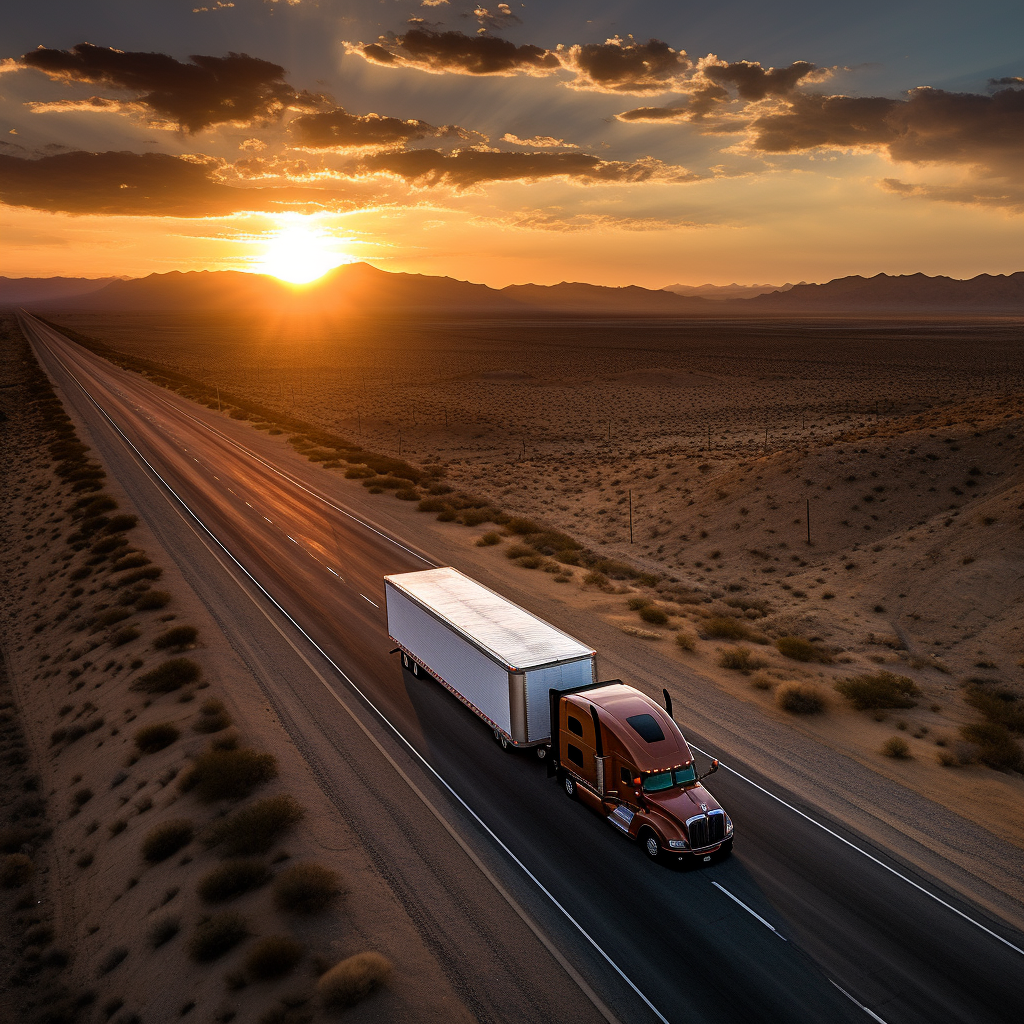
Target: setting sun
300, 253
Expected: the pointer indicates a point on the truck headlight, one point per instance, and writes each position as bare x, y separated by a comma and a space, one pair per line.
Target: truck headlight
728, 825
677, 844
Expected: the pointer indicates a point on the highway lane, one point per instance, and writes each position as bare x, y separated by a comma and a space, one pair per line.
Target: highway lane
695, 952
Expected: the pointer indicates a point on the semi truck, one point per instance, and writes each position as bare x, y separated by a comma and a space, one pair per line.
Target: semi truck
609, 745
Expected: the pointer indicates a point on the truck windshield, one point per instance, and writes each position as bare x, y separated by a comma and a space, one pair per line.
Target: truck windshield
657, 781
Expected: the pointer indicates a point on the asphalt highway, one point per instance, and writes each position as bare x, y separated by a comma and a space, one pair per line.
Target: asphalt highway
797, 926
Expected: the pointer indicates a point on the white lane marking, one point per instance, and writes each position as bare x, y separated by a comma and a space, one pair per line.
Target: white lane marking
870, 1013
807, 817
873, 859
365, 598
289, 536
752, 913
329, 569
271, 521
415, 753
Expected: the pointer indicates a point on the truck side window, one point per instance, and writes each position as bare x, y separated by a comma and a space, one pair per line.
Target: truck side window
575, 755
626, 777
575, 725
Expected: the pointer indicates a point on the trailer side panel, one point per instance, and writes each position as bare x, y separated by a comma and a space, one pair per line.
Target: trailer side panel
471, 674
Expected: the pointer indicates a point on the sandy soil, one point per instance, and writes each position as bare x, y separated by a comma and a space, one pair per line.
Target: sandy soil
94, 902
916, 561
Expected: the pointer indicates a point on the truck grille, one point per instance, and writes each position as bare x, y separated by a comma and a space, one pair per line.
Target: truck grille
706, 831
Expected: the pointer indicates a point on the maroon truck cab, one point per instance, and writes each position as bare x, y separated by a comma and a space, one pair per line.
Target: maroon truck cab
623, 755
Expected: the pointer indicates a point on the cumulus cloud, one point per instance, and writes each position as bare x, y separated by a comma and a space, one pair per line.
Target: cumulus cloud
558, 219
236, 89
465, 168
539, 142
455, 52
625, 66
339, 130
1010, 196
929, 126
500, 17
137, 184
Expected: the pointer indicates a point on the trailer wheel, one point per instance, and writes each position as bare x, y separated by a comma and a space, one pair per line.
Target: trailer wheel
502, 740
542, 752
649, 843
405, 660
569, 784
415, 669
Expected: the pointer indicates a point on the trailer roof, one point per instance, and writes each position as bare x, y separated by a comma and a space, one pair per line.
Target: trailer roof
511, 634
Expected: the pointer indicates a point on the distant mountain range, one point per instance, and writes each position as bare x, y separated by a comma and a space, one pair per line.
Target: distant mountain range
359, 288
726, 291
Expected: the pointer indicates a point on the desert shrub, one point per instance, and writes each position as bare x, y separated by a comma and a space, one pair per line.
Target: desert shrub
636, 603
231, 879
614, 568
151, 600
488, 540
177, 636
152, 738
359, 473
686, 641
273, 957
530, 562
1001, 706
725, 628
108, 544
882, 690
739, 659
433, 505
213, 717
799, 649
217, 935
995, 746
653, 614
81, 796
254, 829
352, 980
521, 526
15, 870
598, 579
228, 774
896, 747
134, 560
120, 523
125, 636
166, 840
307, 888
115, 957
519, 551
111, 617
171, 675
800, 699
149, 572
407, 494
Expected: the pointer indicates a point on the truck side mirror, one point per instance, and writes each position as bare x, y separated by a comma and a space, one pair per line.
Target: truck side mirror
710, 771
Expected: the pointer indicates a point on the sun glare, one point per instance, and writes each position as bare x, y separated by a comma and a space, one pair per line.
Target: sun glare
299, 253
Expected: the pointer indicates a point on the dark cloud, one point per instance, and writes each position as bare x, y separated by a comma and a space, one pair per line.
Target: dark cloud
135, 184
1008, 197
500, 17
338, 130
1010, 80
236, 89
930, 126
463, 169
441, 52
753, 82
624, 65
654, 114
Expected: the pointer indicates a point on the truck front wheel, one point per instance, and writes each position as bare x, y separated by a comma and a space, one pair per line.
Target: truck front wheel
649, 843
569, 784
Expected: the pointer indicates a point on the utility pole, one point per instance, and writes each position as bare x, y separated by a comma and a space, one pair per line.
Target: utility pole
630, 517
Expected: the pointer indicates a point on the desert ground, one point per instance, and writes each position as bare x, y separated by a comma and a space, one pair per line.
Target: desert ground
690, 459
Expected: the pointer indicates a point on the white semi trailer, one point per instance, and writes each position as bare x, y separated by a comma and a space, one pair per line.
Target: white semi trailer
501, 661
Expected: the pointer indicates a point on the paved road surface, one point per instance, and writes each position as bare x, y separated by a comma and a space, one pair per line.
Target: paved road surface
797, 926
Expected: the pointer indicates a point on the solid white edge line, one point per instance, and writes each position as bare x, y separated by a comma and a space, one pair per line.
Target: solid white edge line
870, 1013
368, 601
871, 857
752, 913
416, 754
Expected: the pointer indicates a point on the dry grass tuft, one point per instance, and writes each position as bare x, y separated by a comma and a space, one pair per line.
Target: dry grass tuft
352, 980
170, 676
800, 699
166, 840
231, 879
799, 649
740, 659
307, 888
254, 829
896, 747
273, 957
881, 690
232, 774
155, 737
217, 935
